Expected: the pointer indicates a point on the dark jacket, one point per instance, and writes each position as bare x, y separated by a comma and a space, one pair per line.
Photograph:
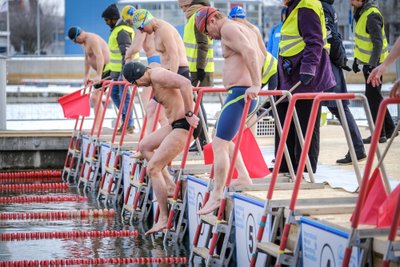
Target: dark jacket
313, 60
337, 52
374, 28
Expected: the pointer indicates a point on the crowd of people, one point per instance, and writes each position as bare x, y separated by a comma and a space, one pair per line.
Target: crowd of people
305, 47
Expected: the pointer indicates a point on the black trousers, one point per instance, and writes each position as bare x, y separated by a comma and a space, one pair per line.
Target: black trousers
375, 98
303, 108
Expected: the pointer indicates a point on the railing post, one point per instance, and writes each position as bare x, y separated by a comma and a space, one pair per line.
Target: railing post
3, 94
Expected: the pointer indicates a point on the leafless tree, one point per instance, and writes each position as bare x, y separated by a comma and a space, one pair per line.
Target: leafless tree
23, 25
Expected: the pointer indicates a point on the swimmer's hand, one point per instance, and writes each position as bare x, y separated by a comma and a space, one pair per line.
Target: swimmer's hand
251, 93
193, 121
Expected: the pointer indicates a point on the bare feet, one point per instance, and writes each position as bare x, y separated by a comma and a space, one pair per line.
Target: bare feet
211, 205
158, 227
137, 155
241, 182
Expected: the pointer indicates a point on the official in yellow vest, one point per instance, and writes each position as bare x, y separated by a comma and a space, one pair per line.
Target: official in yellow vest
199, 52
119, 41
303, 56
371, 49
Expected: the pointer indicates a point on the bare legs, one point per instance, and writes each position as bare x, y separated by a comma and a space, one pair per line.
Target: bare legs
224, 150
172, 143
96, 98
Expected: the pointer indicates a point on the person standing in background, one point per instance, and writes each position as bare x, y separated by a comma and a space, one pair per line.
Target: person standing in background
200, 55
371, 49
119, 41
337, 54
275, 35
303, 56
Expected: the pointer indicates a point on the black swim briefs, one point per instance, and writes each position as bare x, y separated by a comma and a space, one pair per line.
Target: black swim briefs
183, 124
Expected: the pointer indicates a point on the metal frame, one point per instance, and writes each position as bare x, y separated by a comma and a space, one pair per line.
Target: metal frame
113, 175
74, 154
355, 232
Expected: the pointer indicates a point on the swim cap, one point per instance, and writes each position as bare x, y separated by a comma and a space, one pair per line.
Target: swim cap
203, 15
237, 12
111, 12
133, 71
74, 32
127, 12
141, 18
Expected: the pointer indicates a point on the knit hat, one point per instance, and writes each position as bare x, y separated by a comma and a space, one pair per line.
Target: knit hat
111, 12
184, 2
201, 2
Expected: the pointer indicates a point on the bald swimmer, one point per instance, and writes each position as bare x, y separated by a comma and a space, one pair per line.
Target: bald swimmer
159, 148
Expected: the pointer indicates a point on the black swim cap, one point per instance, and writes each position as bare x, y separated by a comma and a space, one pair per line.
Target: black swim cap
74, 32
133, 71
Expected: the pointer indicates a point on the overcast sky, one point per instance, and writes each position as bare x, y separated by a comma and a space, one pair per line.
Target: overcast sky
59, 3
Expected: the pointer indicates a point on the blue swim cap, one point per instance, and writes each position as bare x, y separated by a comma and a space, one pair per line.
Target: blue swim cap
237, 12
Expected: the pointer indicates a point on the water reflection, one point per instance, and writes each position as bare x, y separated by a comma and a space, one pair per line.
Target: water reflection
106, 247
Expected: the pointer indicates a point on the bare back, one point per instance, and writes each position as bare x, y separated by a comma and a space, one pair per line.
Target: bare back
91, 45
170, 46
240, 54
260, 41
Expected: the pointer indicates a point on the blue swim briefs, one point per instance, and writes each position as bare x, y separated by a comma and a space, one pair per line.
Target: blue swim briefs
155, 59
231, 114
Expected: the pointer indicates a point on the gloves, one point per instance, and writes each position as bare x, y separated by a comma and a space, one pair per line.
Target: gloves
306, 78
200, 74
346, 68
287, 66
355, 66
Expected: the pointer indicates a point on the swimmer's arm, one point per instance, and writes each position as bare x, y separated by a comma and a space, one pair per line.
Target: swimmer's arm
99, 60
173, 81
136, 45
237, 41
87, 68
171, 49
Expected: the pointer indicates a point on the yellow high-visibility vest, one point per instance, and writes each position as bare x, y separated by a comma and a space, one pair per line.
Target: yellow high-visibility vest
191, 48
269, 68
362, 39
291, 42
115, 64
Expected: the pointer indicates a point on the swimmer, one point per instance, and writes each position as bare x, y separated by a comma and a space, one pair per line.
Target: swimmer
159, 148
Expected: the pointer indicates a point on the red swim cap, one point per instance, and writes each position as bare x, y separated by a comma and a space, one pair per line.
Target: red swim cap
203, 15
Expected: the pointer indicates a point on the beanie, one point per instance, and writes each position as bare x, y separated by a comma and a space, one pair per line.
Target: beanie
111, 12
